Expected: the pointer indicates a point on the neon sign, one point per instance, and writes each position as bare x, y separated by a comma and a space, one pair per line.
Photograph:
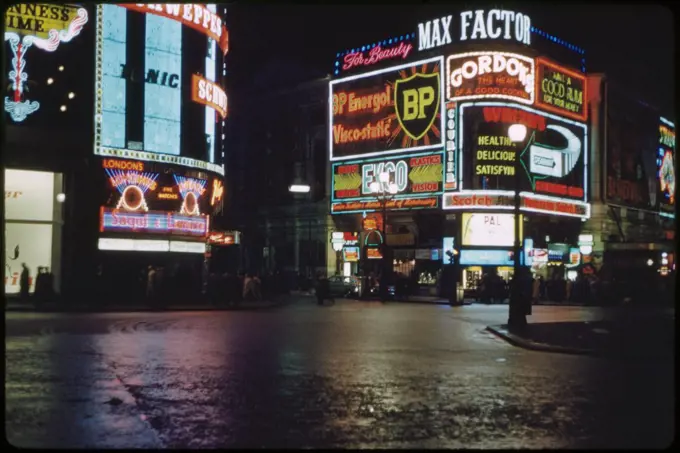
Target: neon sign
553, 157
132, 187
376, 55
392, 110
392, 205
196, 16
561, 90
123, 164
372, 102
416, 174
217, 193
666, 165
152, 84
209, 93
152, 222
30, 25
492, 24
191, 190
505, 200
478, 75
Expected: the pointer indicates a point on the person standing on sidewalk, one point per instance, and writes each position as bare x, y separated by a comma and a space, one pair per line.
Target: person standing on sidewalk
322, 290
151, 285
24, 282
535, 290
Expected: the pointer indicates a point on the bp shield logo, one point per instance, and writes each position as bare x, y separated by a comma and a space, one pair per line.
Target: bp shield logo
416, 101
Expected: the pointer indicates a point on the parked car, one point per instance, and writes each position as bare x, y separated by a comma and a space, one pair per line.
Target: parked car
344, 286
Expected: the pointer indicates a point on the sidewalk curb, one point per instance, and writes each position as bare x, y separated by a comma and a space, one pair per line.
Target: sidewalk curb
515, 340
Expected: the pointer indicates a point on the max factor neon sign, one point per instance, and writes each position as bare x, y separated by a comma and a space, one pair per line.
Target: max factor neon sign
18, 107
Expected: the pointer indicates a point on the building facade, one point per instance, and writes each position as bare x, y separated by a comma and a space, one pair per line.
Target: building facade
274, 148
124, 107
432, 108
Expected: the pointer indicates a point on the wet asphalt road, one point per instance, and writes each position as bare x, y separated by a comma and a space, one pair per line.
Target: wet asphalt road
357, 374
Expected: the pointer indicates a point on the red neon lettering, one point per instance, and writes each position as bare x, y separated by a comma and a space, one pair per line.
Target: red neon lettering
625, 190
513, 116
558, 189
427, 160
376, 55
425, 187
347, 193
346, 169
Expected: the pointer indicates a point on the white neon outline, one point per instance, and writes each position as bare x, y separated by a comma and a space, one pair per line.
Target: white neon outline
442, 115
144, 156
147, 156
366, 161
666, 122
463, 106
523, 58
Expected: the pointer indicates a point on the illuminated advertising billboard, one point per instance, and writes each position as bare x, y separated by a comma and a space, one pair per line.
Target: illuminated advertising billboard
387, 111
493, 200
418, 178
152, 198
158, 94
486, 258
416, 174
560, 90
480, 75
633, 148
490, 230
32, 28
666, 166
553, 157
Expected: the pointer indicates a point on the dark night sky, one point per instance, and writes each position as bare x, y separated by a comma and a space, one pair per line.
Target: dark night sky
634, 45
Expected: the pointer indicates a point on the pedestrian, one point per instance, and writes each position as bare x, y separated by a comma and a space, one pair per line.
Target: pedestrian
151, 285
39, 291
568, 290
24, 282
535, 290
323, 290
247, 287
257, 288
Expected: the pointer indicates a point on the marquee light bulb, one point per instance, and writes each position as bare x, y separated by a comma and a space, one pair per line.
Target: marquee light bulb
61, 68
71, 95
50, 81
62, 108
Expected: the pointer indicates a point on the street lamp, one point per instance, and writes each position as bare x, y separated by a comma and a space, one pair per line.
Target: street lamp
517, 315
300, 187
384, 191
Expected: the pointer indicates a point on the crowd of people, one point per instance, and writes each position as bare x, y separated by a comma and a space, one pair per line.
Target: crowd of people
44, 285
492, 288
